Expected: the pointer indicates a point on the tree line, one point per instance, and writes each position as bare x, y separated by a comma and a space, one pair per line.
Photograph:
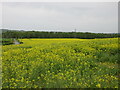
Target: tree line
39, 34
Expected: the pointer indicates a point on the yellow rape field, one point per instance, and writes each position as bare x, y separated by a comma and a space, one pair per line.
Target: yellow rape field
61, 63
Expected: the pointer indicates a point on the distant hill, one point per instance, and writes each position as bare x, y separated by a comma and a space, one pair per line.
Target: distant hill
5, 30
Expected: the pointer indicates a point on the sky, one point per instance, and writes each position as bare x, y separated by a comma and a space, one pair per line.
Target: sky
96, 17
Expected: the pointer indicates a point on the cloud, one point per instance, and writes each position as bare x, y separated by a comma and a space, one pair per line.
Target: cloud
94, 17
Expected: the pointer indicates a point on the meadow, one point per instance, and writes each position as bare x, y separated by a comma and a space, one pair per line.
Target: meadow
61, 63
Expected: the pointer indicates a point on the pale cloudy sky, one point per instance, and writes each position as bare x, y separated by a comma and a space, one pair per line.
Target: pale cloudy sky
84, 16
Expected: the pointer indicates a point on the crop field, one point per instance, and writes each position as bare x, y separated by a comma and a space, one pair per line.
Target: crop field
61, 63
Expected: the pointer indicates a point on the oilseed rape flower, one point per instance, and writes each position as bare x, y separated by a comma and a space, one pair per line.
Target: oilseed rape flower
61, 63
98, 85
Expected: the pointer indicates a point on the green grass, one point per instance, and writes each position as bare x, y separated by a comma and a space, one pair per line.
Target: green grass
6, 41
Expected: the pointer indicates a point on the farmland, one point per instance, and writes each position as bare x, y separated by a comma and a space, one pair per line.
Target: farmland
61, 63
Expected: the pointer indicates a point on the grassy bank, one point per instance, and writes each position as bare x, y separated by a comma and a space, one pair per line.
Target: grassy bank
6, 41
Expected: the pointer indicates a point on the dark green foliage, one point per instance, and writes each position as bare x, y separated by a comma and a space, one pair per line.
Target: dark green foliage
37, 34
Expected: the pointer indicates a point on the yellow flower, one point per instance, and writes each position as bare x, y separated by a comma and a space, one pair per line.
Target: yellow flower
12, 79
98, 85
